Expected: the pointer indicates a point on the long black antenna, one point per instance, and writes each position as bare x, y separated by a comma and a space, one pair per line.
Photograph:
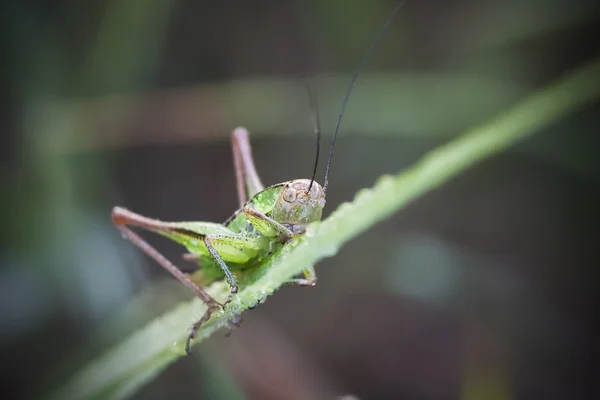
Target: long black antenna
361, 66
314, 115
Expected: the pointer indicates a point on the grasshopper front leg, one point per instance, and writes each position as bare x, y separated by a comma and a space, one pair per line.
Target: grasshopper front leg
269, 227
248, 184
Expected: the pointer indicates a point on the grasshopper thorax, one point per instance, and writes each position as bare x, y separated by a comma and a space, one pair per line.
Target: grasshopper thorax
296, 206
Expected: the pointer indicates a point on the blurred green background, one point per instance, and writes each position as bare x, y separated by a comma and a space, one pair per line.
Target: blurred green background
484, 289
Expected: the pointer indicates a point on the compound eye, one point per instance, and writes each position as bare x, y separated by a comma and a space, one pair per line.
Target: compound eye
289, 195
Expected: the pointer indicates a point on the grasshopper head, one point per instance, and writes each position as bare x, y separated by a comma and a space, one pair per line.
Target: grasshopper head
296, 206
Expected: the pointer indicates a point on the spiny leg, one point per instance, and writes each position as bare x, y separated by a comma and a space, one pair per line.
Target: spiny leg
194, 330
122, 218
233, 246
267, 226
233, 323
310, 278
247, 179
208, 241
197, 276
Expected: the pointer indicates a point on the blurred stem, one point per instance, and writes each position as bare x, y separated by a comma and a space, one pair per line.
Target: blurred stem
134, 362
409, 103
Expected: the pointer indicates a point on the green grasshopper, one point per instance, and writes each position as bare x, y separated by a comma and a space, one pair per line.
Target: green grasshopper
266, 218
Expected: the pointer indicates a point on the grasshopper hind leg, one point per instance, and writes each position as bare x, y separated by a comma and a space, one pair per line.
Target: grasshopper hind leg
235, 322
122, 218
248, 181
193, 331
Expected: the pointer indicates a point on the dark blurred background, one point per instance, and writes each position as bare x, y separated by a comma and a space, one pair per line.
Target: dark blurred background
483, 289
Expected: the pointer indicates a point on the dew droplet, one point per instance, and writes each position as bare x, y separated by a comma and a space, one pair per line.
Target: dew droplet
385, 180
362, 194
311, 230
343, 207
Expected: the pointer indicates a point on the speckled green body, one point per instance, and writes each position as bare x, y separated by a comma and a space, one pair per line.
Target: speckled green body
246, 237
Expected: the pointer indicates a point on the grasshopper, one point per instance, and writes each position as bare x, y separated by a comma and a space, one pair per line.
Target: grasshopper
267, 217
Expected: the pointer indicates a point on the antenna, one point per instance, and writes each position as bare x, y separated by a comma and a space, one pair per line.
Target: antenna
361, 66
314, 114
